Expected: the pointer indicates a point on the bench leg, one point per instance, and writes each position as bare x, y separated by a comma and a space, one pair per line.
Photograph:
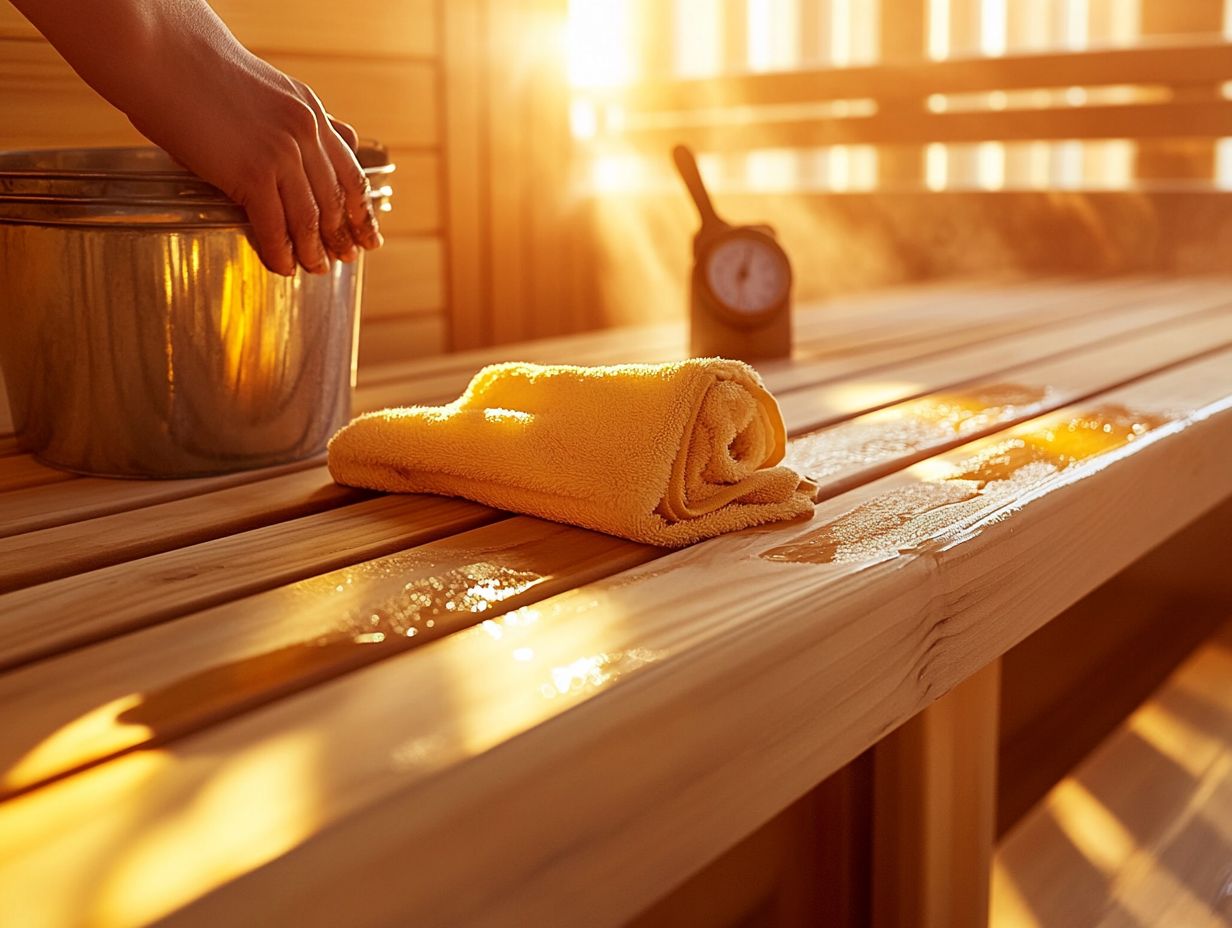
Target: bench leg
934, 811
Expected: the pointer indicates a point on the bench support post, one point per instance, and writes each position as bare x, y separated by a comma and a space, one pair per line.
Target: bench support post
934, 811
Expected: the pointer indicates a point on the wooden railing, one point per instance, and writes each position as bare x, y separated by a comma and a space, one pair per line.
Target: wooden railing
748, 111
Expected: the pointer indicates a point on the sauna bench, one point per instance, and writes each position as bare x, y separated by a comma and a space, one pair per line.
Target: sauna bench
266, 699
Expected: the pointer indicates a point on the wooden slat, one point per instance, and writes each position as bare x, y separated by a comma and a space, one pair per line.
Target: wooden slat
405, 29
928, 328
20, 471
164, 586
666, 339
909, 341
416, 202
209, 513
89, 497
1202, 119
1171, 63
404, 278
1138, 834
48, 105
289, 638
37, 557
392, 101
474, 736
84, 498
402, 338
866, 447
486, 552
463, 75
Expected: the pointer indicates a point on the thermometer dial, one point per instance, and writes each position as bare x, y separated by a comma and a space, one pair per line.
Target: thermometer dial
747, 272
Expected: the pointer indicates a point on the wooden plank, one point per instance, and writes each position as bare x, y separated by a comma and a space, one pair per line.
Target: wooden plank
19, 471
668, 337
1181, 159
89, 497
1138, 834
1158, 62
507, 165
36, 557
406, 29
404, 278
48, 105
463, 76
161, 587
393, 101
519, 548
416, 202
401, 338
1115, 344
934, 811
630, 675
931, 327
288, 639
1199, 119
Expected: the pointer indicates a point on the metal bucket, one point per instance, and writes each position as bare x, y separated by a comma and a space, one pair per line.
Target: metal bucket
140, 335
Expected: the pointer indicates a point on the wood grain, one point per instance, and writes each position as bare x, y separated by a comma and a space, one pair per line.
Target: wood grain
842, 457
48, 104
715, 706
113, 600
416, 202
41, 507
934, 811
401, 338
19, 471
863, 448
287, 639
404, 278
1138, 834
406, 29
39, 556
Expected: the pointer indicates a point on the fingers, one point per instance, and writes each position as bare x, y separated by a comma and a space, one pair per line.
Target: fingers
335, 229
339, 183
356, 195
346, 132
303, 220
269, 227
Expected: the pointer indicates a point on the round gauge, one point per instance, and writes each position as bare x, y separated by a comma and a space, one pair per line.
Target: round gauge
748, 272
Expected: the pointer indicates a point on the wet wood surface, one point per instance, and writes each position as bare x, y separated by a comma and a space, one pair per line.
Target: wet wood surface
219, 705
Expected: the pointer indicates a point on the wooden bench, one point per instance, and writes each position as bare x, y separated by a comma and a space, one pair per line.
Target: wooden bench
216, 710
1141, 832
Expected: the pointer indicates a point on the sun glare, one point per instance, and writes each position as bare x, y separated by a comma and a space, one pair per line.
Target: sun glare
600, 43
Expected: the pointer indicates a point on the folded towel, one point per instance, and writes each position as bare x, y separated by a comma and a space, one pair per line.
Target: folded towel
666, 454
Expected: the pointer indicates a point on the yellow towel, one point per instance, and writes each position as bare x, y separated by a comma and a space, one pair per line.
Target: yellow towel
666, 454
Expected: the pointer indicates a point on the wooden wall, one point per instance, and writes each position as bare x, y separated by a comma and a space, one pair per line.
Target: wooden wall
375, 64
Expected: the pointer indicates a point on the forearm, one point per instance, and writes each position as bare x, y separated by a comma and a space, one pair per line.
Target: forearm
128, 49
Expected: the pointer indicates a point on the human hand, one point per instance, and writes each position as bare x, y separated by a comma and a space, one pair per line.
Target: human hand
266, 141
260, 136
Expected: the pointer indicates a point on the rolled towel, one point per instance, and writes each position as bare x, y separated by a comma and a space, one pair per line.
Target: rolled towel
666, 454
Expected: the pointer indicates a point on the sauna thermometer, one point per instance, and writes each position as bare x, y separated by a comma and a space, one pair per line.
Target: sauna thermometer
740, 290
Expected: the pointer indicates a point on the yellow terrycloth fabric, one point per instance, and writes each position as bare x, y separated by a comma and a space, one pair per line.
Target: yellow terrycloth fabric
666, 454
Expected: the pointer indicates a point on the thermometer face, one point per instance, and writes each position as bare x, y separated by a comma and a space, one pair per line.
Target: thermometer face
748, 274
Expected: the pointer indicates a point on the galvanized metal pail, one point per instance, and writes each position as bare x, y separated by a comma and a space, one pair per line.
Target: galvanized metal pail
140, 335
